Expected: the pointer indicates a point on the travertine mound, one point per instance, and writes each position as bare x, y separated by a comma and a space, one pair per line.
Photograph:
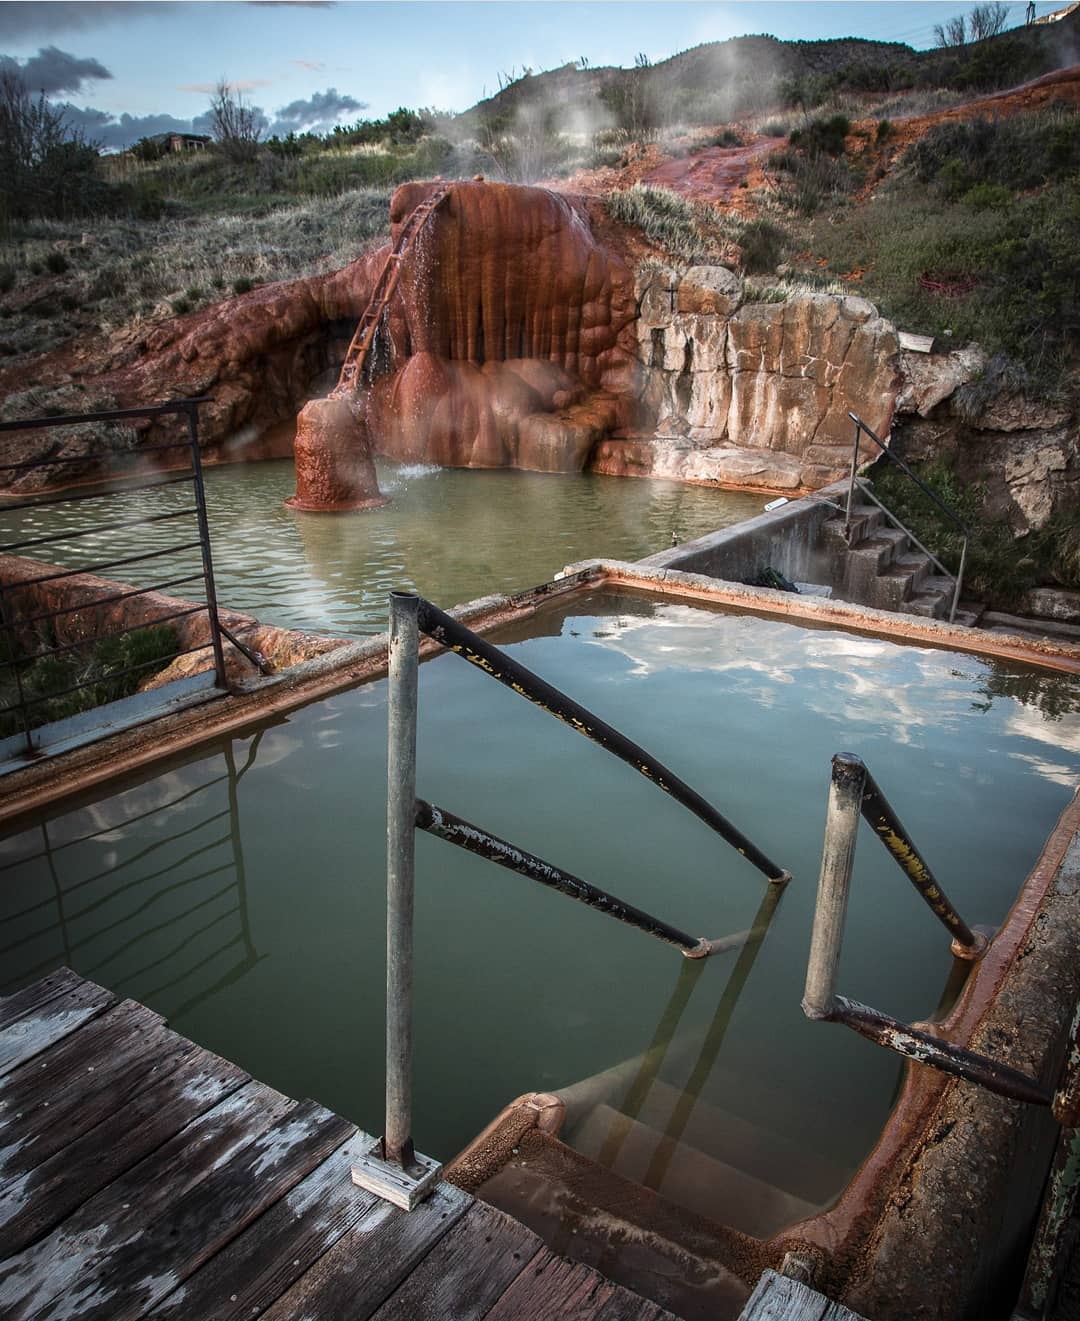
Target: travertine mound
511, 328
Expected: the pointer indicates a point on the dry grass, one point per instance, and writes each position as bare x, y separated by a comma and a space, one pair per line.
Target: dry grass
119, 273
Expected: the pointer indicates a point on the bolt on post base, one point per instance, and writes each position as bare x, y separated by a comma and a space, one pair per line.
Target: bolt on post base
406, 1186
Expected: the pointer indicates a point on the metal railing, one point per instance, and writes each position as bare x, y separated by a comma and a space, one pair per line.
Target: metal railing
853, 794
855, 484
393, 1168
20, 657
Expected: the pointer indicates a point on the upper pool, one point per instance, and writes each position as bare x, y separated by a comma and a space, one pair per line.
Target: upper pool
240, 889
450, 534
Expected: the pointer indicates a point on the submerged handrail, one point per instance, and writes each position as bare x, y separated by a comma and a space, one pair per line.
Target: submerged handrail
392, 1168
951, 514
853, 793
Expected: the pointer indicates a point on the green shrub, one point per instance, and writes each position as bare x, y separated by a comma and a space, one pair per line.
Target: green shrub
7, 279
823, 135
242, 285
99, 667
1020, 153
56, 263
180, 306
761, 245
988, 197
884, 130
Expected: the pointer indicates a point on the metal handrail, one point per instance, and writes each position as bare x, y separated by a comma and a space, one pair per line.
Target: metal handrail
958, 577
392, 1168
187, 409
853, 793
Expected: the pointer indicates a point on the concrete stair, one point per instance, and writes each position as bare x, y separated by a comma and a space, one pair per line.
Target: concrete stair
880, 567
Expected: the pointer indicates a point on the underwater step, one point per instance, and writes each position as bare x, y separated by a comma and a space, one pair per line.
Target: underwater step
746, 1145
687, 1176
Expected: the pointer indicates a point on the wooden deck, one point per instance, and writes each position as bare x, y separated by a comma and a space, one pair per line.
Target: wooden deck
141, 1175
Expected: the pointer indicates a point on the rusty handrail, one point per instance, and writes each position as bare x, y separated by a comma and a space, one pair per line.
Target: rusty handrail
852, 794
853, 482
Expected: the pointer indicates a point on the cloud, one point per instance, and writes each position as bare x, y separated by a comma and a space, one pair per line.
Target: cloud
318, 114
19, 21
313, 66
115, 132
53, 70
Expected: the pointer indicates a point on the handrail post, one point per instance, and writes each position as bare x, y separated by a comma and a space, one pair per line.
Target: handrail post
851, 480
392, 1168
400, 850
221, 679
959, 581
837, 863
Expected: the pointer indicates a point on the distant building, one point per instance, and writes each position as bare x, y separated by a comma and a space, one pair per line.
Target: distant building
179, 141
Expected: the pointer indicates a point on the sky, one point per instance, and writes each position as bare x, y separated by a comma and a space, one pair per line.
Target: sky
127, 69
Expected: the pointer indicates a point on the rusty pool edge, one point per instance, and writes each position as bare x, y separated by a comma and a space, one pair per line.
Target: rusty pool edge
46, 781
50, 780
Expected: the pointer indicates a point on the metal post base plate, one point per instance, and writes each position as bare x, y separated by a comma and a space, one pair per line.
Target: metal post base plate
405, 1187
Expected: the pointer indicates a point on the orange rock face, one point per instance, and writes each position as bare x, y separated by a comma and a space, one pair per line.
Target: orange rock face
510, 324
335, 472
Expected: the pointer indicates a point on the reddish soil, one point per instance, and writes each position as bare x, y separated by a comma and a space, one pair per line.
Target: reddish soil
712, 175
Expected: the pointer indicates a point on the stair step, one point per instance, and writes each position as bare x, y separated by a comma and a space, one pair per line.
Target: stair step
739, 1142
931, 605
690, 1178
917, 565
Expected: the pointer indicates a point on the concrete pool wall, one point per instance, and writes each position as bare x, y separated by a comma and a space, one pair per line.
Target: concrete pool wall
952, 1186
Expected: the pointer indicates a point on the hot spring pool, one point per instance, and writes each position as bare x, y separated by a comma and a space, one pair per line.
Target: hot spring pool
449, 534
240, 890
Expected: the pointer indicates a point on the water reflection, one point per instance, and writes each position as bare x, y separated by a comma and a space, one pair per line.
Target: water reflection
450, 534
166, 924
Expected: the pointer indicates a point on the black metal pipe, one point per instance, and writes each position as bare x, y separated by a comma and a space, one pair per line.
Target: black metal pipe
256, 657
879, 814
20, 705
220, 677
106, 415
118, 526
104, 637
440, 626
927, 490
105, 678
96, 568
474, 839
128, 488
106, 600
941, 1055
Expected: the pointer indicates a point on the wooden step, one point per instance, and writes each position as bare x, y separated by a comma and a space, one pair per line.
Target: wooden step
688, 1177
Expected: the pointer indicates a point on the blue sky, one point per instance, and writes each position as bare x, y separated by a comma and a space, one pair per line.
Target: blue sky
354, 59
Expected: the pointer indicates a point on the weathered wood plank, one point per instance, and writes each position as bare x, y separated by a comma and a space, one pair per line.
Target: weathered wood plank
368, 1263
32, 997
210, 1214
256, 1268
50, 1101
74, 1270
42, 1027
777, 1298
551, 1286
186, 1083
466, 1271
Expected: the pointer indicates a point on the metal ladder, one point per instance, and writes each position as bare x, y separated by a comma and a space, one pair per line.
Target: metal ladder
364, 335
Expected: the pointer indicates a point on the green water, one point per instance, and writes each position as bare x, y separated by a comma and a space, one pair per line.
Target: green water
450, 534
239, 891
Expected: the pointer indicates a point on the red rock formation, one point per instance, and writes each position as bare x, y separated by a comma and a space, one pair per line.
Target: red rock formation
510, 325
507, 324
334, 469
